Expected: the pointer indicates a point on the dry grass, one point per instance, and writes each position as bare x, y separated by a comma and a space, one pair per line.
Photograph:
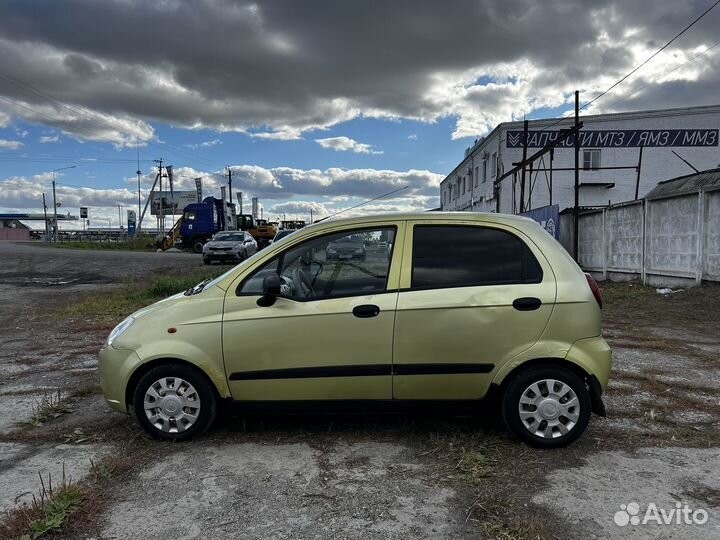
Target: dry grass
47, 512
98, 311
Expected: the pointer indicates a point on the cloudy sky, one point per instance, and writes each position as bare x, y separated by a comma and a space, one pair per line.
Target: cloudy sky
313, 104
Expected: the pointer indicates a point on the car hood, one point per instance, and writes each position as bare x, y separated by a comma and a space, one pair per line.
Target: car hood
224, 243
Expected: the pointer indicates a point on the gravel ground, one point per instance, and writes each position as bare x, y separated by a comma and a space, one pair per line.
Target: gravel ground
374, 477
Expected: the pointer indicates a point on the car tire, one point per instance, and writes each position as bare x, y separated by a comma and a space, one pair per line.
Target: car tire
175, 388
545, 417
197, 246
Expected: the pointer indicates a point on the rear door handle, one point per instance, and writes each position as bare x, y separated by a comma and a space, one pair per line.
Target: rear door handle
366, 311
527, 303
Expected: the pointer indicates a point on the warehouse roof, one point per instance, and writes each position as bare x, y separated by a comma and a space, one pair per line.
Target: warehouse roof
692, 183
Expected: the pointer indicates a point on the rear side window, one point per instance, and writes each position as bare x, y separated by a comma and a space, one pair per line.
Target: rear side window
450, 256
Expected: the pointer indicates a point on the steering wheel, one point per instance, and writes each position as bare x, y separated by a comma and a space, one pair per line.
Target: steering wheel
303, 283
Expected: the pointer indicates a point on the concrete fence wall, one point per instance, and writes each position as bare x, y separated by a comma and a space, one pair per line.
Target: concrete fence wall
673, 241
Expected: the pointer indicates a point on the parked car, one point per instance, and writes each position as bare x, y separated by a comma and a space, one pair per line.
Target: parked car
282, 233
229, 246
348, 247
500, 313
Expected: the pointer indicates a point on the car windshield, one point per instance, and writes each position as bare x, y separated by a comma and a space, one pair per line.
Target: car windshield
232, 237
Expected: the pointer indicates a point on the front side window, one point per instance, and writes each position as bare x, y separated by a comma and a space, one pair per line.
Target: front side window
464, 256
591, 159
331, 266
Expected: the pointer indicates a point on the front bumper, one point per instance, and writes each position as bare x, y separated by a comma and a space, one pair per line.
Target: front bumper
222, 256
116, 366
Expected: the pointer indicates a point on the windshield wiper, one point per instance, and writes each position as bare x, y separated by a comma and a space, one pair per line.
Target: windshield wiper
197, 288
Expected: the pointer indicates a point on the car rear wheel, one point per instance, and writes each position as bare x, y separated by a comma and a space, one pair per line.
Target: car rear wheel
546, 406
197, 246
175, 402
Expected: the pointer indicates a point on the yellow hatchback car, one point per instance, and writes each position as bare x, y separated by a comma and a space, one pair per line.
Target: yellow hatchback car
432, 307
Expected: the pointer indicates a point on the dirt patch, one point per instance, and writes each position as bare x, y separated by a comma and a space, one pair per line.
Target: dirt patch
284, 490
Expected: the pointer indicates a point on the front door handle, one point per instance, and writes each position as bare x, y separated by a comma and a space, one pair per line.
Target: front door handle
527, 303
366, 311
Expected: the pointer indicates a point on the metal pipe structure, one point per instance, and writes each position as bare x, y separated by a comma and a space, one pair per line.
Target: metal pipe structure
576, 210
55, 224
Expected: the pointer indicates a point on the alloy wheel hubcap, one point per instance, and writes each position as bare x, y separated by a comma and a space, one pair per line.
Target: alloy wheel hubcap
172, 404
549, 408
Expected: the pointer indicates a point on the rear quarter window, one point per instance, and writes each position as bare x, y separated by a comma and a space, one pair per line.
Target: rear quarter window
464, 256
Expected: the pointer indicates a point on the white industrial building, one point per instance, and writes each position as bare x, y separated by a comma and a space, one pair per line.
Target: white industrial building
606, 140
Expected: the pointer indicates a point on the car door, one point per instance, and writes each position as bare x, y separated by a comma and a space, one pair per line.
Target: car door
250, 244
472, 296
329, 335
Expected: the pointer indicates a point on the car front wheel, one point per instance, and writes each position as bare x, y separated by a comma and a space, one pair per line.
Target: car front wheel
546, 406
175, 402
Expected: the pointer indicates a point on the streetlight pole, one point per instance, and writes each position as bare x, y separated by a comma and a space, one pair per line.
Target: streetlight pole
55, 229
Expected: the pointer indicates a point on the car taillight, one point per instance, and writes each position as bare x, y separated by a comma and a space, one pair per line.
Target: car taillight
594, 288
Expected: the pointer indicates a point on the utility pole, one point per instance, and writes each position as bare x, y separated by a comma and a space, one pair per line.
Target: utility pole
47, 232
311, 216
240, 202
55, 226
576, 213
639, 167
522, 174
229, 170
138, 172
161, 209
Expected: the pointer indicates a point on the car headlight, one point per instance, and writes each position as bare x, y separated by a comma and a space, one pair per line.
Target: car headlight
119, 329
359, 250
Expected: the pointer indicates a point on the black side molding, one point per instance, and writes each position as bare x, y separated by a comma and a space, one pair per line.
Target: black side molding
441, 369
363, 370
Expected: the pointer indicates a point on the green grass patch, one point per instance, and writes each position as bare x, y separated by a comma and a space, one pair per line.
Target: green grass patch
474, 466
49, 407
46, 513
134, 295
144, 243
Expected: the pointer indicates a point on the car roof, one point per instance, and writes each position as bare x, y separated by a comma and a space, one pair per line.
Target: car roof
488, 217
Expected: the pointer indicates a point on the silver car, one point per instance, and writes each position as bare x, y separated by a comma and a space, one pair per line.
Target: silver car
229, 246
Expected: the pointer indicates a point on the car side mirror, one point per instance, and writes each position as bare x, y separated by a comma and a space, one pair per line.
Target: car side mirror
271, 290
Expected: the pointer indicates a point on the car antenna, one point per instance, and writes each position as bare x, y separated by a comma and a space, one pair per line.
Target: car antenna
362, 203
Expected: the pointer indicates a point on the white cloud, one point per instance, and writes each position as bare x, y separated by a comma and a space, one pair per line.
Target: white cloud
289, 70
46, 139
300, 208
205, 144
413, 137
346, 144
20, 132
9, 145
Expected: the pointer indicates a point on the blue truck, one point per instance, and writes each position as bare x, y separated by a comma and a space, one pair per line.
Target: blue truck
200, 221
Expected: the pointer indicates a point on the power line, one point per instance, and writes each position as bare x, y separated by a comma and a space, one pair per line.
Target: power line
640, 66
363, 203
665, 74
661, 49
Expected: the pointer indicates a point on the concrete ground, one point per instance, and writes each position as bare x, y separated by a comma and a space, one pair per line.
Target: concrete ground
410, 476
